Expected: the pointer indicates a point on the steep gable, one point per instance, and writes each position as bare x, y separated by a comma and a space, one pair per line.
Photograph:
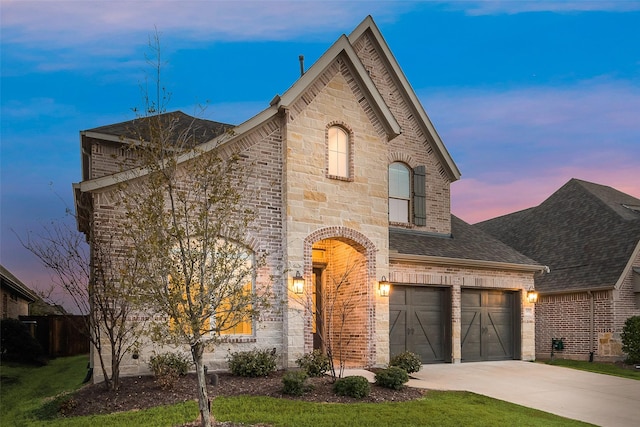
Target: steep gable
583, 232
398, 94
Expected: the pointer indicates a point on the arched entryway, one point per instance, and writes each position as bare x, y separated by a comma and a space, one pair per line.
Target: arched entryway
341, 265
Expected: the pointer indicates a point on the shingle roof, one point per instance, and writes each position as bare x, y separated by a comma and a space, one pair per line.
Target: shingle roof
200, 130
12, 282
465, 242
585, 232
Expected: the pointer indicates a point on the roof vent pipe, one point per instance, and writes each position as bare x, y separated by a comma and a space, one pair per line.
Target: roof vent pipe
301, 59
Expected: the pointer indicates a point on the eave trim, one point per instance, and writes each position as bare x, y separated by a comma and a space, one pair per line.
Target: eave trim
430, 259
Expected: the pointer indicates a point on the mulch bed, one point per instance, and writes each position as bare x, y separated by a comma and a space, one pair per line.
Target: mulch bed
143, 392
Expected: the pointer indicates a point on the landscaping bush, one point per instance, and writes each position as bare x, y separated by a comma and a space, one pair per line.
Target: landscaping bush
393, 377
631, 339
408, 361
167, 367
294, 383
315, 364
17, 344
355, 386
254, 363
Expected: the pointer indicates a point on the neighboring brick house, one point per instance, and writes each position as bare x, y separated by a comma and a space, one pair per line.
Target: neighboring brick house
16, 296
589, 236
352, 170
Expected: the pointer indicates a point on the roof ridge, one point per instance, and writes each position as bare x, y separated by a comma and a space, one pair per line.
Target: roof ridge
614, 200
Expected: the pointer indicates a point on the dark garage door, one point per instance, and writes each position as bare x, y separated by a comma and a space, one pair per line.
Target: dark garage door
489, 329
417, 322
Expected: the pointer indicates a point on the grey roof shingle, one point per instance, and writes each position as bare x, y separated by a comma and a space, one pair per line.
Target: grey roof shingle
16, 285
200, 130
585, 232
465, 242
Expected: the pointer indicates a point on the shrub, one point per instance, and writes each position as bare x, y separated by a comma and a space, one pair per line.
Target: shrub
294, 383
355, 386
167, 367
408, 361
254, 363
393, 377
631, 339
17, 344
315, 364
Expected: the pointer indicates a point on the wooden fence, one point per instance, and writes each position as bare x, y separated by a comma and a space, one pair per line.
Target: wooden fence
59, 335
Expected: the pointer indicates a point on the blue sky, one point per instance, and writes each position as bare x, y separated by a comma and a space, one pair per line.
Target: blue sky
525, 94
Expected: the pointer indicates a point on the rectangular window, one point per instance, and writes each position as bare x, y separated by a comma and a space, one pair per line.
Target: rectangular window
244, 326
398, 210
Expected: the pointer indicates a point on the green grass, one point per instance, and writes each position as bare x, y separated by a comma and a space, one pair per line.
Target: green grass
438, 408
26, 392
600, 368
30, 397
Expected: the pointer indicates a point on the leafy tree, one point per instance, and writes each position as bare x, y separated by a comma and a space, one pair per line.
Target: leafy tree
186, 223
97, 283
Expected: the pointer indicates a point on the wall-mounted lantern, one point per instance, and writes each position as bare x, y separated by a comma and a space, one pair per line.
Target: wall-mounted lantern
532, 296
384, 286
298, 283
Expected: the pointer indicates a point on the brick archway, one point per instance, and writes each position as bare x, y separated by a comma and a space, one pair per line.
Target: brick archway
359, 243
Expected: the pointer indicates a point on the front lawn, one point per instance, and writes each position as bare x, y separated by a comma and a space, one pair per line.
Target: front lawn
30, 396
597, 367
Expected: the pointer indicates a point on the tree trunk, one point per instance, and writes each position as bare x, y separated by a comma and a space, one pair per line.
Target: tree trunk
197, 350
115, 369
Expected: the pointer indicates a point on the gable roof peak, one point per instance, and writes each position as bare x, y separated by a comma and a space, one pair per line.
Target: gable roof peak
369, 26
623, 204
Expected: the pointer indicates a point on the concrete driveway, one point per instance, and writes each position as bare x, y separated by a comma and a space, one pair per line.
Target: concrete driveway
595, 398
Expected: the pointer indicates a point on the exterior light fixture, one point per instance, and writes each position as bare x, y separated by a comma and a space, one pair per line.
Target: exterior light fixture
384, 286
532, 296
298, 283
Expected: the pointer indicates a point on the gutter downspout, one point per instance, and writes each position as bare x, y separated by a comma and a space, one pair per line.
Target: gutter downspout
591, 325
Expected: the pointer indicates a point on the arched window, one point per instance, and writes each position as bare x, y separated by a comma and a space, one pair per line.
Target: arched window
220, 275
338, 147
399, 192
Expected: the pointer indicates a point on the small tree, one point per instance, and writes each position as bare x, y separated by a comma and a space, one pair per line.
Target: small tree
97, 283
341, 296
631, 339
186, 222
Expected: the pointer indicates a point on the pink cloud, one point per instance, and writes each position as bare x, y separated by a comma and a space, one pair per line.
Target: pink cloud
475, 200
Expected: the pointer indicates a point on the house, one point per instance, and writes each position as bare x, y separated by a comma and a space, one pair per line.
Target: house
589, 236
353, 176
16, 296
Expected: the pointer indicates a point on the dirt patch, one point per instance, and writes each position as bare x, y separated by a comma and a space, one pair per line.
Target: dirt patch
143, 392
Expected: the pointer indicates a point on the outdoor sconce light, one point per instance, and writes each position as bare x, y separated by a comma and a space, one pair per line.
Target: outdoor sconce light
384, 286
532, 296
298, 283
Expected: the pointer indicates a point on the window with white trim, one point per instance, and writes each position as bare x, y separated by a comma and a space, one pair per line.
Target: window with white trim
338, 147
399, 192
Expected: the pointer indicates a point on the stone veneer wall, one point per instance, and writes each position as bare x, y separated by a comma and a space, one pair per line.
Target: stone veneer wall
461, 277
319, 207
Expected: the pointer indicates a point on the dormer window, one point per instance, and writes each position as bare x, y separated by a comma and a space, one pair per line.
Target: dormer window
338, 150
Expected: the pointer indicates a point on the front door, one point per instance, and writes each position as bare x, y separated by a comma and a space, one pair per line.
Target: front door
418, 322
